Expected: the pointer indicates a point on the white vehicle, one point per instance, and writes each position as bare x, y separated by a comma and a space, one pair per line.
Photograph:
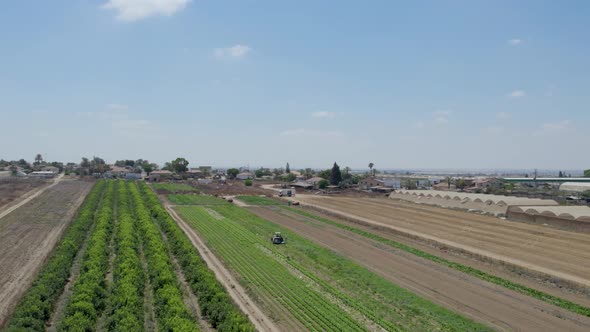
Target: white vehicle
287, 193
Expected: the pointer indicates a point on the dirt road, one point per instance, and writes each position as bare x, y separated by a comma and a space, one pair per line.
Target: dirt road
238, 293
29, 234
549, 251
491, 304
28, 197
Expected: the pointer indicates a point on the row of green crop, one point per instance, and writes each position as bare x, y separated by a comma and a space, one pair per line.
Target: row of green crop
236, 213
259, 200
88, 294
171, 312
35, 307
571, 306
174, 187
128, 276
215, 303
241, 250
380, 300
196, 200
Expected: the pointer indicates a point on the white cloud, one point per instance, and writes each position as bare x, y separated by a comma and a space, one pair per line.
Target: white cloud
517, 94
117, 107
133, 10
556, 126
323, 114
236, 51
441, 117
302, 132
503, 115
515, 42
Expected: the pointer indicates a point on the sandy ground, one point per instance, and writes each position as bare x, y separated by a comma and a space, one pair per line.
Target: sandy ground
29, 234
13, 192
491, 304
238, 293
549, 251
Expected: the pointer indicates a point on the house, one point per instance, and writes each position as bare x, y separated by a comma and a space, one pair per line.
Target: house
194, 173
43, 174
53, 169
133, 176
245, 176
370, 182
157, 176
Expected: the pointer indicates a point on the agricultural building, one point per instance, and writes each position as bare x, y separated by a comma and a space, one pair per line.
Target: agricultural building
569, 217
493, 204
575, 186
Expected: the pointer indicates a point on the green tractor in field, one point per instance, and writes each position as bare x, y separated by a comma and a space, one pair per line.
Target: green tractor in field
278, 238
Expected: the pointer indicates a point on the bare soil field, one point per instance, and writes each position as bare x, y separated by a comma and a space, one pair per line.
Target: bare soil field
29, 234
561, 254
13, 191
491, 304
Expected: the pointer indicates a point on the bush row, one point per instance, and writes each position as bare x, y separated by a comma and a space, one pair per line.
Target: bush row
35, 307
171, 312
214, 301
88, 295
128, 276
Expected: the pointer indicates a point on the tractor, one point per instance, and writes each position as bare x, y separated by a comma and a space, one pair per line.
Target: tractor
278, 238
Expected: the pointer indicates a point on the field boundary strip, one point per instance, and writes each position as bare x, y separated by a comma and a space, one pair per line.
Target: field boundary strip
557, 301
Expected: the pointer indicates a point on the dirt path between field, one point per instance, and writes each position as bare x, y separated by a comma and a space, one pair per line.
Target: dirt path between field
28, 197
28, 236
493, 305
260, 321
531, 247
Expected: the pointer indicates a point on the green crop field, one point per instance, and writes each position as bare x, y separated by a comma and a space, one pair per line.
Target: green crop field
258, 200
195, 200
321, 289
127, 265
174, 187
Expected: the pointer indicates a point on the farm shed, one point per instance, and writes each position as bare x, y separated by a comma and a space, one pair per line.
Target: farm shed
245, 176
575, 186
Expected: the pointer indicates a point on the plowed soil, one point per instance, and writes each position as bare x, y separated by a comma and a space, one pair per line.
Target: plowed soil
558, 253
29, 234
494, 305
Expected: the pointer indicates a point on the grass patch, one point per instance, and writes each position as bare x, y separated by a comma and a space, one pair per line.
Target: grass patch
195, 200
258, 200
174, 187
562, 303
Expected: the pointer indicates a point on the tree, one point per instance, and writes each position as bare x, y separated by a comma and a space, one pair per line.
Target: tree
325, 174
85, 163
290, 177
371, 165
288, 169
560, 174
336, 175
13, 170
323, 184
308, 173
178, 165
448, 179
232, 173
587, 173
38, 159
461, 184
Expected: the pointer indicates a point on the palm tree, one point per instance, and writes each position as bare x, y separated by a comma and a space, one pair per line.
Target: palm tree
371, 168
38, 158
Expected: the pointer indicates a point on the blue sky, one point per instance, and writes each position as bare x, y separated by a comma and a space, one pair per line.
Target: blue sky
420, 84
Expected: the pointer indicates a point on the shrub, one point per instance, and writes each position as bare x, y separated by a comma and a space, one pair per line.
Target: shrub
248, 183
